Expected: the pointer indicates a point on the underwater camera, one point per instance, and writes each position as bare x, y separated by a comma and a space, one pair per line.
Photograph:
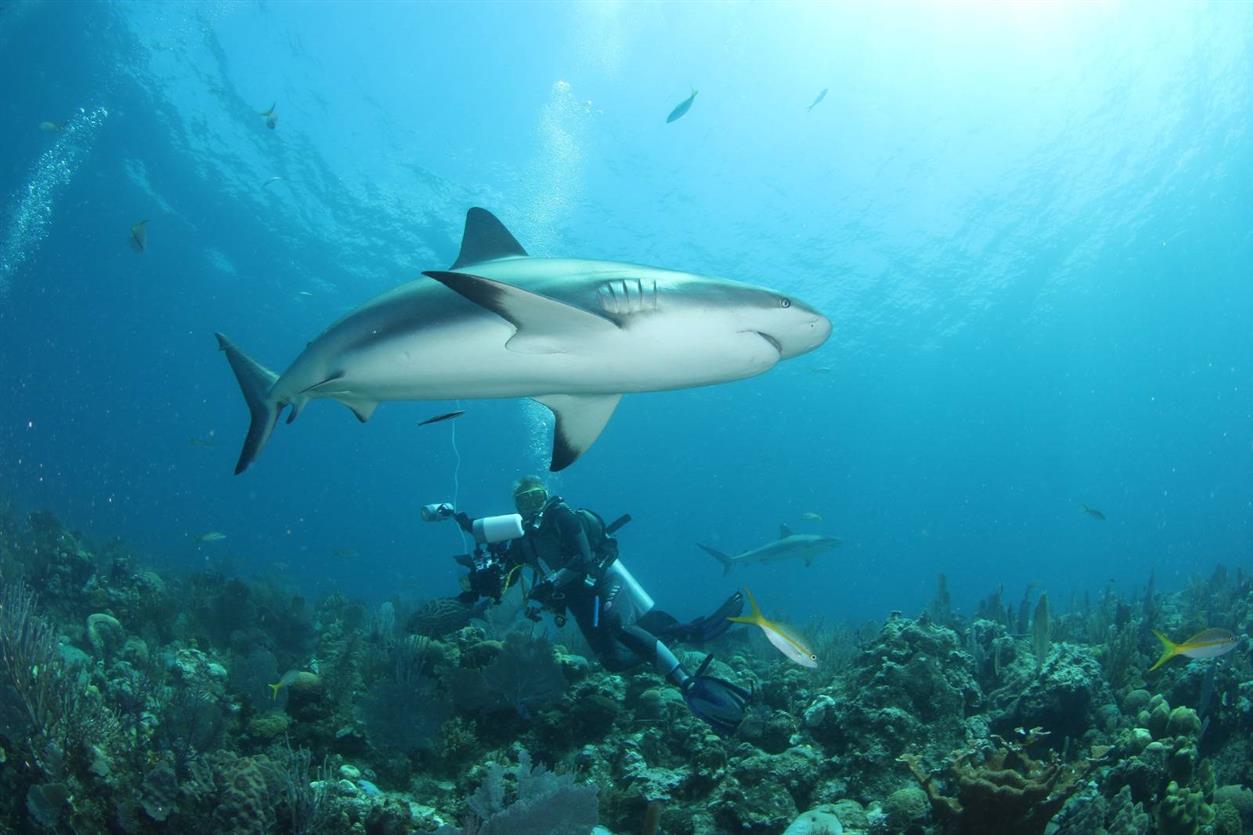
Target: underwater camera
488, 530
488, 572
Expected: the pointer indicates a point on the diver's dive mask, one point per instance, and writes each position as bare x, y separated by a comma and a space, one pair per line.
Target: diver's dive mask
531, 500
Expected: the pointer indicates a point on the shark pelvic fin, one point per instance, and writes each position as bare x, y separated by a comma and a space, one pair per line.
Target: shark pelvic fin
545, 326
255, 381
363, 409
580, 420
485, 239
297, 406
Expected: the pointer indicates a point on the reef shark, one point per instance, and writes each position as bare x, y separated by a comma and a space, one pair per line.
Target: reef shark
573, 334
788, 546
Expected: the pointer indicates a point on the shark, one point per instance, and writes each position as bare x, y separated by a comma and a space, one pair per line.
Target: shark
788, 546
573, 334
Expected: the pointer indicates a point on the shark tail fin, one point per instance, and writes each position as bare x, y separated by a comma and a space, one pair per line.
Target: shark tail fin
255, 381
725, 559
1169, 650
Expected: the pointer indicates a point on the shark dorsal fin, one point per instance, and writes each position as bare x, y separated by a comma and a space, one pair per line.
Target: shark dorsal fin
485, 239
784, 531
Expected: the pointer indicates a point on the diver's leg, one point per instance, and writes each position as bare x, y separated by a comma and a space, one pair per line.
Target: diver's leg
648, 647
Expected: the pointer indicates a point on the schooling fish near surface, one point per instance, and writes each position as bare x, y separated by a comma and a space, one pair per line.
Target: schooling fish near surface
788, 546
573, 334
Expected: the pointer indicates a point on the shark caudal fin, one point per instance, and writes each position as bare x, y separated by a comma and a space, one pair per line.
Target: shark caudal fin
1169, 650
725, 559
255, 380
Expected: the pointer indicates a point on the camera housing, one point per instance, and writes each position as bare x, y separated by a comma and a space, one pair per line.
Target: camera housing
488, 530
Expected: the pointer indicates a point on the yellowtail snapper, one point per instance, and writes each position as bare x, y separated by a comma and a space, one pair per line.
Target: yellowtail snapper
1209, 643
784, 641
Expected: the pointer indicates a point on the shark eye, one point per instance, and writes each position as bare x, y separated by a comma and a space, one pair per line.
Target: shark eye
784, 301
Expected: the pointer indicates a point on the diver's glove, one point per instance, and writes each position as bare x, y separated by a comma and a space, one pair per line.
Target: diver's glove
719, 703
543, 591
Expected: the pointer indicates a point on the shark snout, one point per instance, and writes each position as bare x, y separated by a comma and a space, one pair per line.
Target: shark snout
814, 332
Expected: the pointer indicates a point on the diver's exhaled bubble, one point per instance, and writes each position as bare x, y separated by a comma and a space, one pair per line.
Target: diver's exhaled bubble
31, 216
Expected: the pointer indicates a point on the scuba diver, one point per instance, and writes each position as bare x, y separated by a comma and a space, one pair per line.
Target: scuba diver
576, 557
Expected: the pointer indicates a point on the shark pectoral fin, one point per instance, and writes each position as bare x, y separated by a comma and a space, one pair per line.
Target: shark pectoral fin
544, 325
580, 420
363, 409
485, 239
809, 561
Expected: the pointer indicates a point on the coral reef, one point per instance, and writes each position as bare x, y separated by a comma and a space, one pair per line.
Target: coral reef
136, 701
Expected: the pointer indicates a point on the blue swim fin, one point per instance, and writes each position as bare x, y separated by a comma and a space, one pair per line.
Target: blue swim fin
719, 703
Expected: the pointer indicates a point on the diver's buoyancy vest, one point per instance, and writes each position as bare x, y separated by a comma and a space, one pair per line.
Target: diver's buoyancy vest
546, 546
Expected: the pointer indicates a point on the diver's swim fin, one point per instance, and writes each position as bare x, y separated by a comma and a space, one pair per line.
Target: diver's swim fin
711, 626
717, 702
698, 631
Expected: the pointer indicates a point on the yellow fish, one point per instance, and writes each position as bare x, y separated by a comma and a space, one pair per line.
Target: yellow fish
212, 536
289, 678
1209, 643
783, 640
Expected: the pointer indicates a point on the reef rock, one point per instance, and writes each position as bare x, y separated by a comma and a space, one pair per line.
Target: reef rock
1061, 696
820, 820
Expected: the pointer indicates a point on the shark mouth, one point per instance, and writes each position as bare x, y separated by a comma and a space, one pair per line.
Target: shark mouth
774, 343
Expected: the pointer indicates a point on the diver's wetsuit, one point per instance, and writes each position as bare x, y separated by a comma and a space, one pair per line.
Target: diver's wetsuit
604, 609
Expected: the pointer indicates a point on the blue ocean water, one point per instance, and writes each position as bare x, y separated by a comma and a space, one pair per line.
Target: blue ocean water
1030, 225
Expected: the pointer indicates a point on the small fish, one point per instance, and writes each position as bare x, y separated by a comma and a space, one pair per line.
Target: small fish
820, 369
271, 120
818, 100
681, 108
810, 516
139, 236
52, 127
445, 416
273, 180
1093, 512
206, 441
783, 640
289, 678
345, 553
1209, 643
211, 536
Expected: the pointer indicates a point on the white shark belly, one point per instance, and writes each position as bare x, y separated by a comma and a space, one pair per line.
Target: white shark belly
471, 359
